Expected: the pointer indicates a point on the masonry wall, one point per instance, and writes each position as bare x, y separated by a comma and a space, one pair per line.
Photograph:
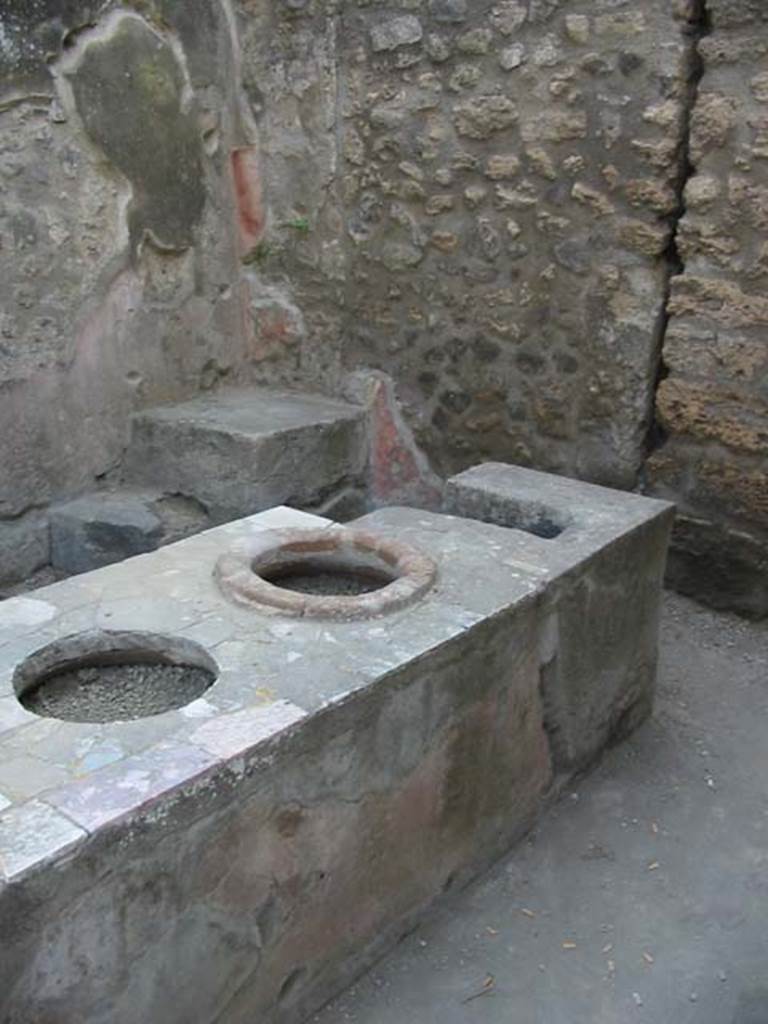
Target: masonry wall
509, 207
713, 403
119, 247
477, 198
521, 206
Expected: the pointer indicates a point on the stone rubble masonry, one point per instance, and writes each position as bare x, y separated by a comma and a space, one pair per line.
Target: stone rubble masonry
470, 130
494, 233
712, 405
243, 858
492, 230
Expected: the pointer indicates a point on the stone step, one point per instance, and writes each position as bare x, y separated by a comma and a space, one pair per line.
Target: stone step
215, 458
108, 526
239, 451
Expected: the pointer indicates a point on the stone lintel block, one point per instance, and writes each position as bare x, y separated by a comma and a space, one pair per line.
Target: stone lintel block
606, 553
243, 450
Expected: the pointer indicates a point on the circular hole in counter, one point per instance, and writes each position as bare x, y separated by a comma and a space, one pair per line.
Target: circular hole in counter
113, 676
326, 574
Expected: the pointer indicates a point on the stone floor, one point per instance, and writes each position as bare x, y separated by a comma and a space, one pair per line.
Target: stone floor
642, 896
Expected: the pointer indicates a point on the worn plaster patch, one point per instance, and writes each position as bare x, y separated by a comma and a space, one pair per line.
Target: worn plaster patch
132, 96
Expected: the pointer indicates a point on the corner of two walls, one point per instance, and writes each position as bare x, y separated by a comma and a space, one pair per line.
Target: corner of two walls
508, 175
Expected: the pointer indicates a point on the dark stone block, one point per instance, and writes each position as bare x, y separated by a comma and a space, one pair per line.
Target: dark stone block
240, 451
100, 529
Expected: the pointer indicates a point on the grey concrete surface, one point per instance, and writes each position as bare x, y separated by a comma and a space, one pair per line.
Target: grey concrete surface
642, 896
611, 548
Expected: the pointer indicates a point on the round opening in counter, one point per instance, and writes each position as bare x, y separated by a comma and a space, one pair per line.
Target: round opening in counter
106, 676
330, 573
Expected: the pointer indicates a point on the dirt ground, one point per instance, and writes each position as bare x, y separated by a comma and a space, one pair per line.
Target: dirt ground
642, 895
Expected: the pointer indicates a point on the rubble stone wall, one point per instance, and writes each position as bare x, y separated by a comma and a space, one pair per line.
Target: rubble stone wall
478, 198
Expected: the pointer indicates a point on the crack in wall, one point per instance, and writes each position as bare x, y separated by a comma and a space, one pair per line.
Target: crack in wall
698, 25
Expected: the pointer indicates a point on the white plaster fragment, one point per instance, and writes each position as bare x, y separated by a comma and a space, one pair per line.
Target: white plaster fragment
26, 611
281, 517
200, 708
281, 630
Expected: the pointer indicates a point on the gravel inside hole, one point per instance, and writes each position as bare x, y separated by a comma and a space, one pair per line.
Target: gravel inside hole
330, 583
110, 693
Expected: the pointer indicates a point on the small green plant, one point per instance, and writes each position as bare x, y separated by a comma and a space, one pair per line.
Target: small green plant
258, 255
298, 224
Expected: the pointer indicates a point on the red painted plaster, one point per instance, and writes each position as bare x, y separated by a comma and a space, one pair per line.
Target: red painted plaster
250, 206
